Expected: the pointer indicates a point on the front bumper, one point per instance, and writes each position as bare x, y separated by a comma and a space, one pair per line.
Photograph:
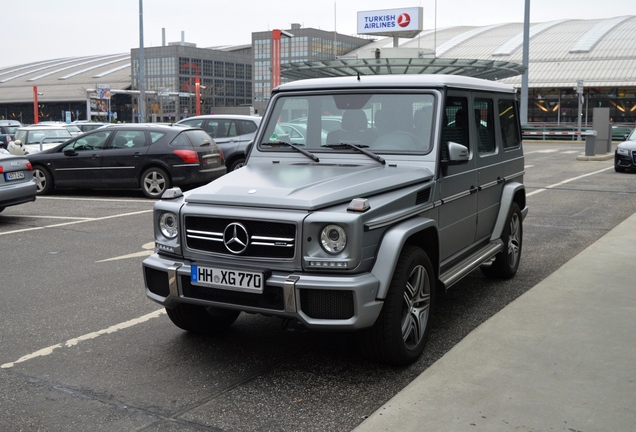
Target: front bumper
625, 160
329, 302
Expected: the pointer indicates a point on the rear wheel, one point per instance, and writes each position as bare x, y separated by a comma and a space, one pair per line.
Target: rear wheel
507, 261
399, 335
202, 319
154, 182
43, 180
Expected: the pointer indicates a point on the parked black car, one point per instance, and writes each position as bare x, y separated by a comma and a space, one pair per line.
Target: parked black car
149, 157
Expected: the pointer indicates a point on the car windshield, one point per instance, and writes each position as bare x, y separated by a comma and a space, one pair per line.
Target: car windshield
380, 122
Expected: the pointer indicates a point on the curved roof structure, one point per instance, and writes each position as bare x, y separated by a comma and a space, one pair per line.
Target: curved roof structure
600, 52
64, 79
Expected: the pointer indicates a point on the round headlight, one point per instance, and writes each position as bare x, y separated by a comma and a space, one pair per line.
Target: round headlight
168, 224
333, 239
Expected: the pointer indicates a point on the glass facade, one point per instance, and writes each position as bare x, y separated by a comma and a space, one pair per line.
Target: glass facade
171, 74
560, 106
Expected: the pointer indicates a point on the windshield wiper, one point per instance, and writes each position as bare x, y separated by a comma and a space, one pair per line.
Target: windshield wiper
310, 155
360, 148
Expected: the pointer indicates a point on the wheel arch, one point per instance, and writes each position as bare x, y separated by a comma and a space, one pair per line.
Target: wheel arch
238, 155
418, 231
512, 192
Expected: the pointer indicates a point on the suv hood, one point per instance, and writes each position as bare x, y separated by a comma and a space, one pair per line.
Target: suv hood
304, 187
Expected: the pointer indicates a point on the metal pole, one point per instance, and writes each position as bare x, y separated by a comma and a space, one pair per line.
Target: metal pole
36, 110
525, 61
142, 66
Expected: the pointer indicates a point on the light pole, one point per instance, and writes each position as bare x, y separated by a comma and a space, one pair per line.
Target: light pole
525, 61
142, 66
197, 94
276, 34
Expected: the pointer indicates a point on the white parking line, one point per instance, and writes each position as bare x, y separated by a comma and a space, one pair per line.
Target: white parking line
95, 199
75, 222
72, 342
552, 186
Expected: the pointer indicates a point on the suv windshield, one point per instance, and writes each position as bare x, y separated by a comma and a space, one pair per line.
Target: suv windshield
379, 122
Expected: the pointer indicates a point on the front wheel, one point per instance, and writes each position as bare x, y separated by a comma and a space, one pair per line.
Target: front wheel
154, 182
507, 261
400, 333
238, 163
202, 319
43, 180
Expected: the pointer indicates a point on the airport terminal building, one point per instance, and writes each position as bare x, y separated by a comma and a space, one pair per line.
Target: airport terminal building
599, 55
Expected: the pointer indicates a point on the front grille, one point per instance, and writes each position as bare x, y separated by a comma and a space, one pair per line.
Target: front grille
327, 304
264, 239
157, 281
272, 297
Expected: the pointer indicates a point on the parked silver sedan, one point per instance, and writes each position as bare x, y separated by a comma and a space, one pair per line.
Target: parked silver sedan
16, 180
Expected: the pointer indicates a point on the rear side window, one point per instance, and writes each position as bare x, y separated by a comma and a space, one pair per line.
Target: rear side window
247, 127
485, 125
156, 136
510, 133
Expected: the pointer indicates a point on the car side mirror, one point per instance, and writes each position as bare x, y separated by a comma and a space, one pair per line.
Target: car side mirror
70, 152
457, 154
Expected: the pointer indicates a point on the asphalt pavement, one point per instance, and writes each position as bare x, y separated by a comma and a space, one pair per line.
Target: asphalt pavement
561, 357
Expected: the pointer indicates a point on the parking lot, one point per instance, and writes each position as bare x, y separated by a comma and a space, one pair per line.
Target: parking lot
83, 348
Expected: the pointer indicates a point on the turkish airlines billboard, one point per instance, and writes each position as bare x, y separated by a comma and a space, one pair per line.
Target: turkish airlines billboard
404, 22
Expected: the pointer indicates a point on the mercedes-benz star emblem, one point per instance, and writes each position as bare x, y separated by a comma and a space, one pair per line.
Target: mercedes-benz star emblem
236, 238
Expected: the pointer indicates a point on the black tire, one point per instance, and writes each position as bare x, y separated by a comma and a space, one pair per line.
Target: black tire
202, 319
400, 333
43, 180
236, 164
507, 261
154, 182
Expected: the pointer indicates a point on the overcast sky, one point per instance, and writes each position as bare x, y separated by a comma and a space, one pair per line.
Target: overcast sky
34, 30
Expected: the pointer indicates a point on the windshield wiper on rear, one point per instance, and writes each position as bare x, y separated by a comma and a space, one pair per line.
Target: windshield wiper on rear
360, 148
310, 155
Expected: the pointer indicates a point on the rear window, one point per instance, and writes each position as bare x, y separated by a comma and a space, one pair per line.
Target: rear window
198, 137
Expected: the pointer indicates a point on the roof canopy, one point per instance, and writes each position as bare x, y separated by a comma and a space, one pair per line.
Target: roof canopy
486, 69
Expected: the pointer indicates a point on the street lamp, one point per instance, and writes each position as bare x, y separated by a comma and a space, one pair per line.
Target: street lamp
276, 34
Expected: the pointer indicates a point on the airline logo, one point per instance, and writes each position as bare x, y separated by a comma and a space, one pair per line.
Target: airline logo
404, 20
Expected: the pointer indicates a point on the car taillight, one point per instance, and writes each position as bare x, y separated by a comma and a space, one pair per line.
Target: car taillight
29, 166
188, 156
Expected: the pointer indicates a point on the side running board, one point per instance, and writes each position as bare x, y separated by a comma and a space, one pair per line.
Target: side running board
470, 263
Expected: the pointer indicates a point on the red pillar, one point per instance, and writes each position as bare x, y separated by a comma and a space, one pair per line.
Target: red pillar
275, 58
36, 108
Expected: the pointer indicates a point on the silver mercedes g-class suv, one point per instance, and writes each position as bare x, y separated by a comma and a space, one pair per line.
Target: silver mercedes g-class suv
355, 228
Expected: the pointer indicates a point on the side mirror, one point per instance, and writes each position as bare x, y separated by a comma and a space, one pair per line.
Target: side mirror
70, 152
457, 154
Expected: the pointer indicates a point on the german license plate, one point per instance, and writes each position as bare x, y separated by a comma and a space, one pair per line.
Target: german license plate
17, 175
237, 280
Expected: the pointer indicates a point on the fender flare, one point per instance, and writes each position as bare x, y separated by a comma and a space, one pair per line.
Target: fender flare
392, 243
508, 194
